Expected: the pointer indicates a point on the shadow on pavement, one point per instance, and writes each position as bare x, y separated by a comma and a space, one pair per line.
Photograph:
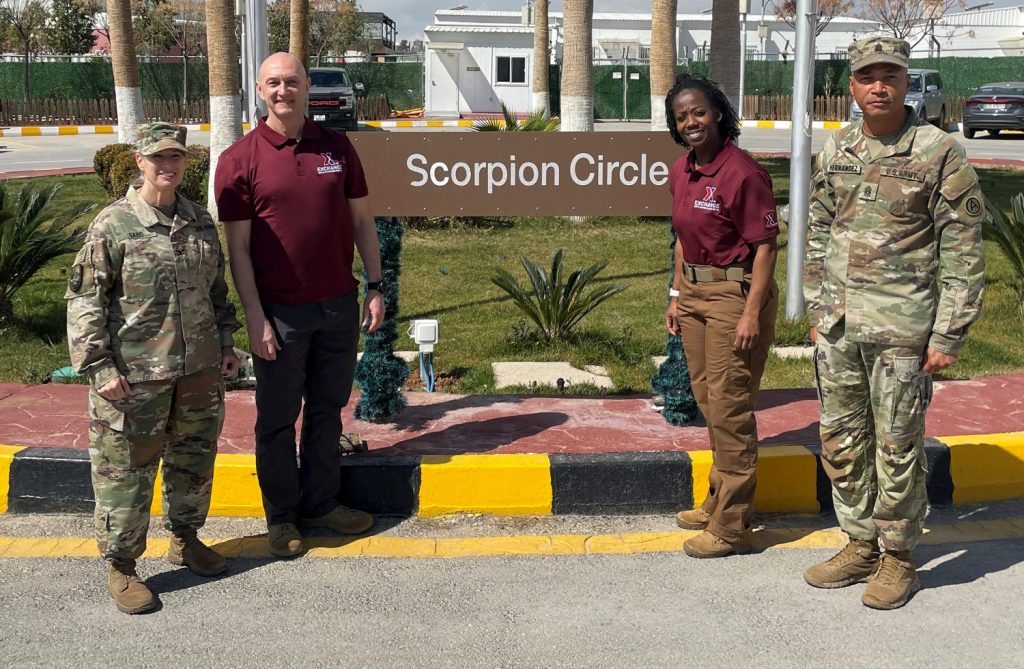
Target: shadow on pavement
477, 436
415, 418
962, 563
250, 552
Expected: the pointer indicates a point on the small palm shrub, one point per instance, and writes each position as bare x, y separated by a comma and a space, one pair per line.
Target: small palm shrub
1007, 230
556, 303
31, 236
537, 121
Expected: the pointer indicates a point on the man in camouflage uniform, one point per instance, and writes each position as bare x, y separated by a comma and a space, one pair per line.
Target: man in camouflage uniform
150, 323
893, 280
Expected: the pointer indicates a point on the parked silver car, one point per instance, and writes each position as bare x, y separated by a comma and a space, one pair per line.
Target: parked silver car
995, 107
926, 95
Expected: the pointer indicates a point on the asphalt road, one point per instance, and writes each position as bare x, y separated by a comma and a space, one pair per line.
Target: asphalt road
38, 153
650, 610
597, 611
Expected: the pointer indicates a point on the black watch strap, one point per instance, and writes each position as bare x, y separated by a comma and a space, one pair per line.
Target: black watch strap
374, 285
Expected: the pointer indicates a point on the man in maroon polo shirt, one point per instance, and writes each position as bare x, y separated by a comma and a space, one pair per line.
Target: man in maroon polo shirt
293, 199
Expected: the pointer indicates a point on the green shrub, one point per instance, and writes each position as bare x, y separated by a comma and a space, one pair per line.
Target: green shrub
197, 169
537, 121
103, 162
123, 172
556, 304
116, 169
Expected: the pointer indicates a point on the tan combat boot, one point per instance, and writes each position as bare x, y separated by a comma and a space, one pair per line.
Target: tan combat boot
129, 592
284, 540
854, 564
693, 519
893, 583
342, 520
707, 545
194, 554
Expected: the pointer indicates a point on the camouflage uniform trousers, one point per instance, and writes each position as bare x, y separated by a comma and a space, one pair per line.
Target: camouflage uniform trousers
873, 403
178, 420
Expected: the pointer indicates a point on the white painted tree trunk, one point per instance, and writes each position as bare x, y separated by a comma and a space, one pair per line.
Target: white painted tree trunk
225, 129
542, 102
658, 113
129, 112
577, 113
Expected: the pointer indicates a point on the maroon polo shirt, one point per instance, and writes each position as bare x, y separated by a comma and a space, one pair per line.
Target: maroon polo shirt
720, 209
296, 194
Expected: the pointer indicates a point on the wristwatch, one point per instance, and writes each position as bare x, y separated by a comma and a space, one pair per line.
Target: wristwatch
375, 285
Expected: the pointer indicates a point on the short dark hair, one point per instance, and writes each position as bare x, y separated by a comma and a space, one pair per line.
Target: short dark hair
728, 127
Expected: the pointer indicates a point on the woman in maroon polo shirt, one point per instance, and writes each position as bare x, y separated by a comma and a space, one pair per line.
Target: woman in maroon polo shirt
724, 300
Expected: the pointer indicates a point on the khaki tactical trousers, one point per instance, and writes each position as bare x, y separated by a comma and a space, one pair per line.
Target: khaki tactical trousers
725, 382
873, 403
178, 421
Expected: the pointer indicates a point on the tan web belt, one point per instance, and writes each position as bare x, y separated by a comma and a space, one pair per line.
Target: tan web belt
705, 273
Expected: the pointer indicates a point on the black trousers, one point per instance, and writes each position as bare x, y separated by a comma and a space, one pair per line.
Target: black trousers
315, 366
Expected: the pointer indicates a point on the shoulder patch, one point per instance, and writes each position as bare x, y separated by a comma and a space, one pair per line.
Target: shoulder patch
973, 206
75, 280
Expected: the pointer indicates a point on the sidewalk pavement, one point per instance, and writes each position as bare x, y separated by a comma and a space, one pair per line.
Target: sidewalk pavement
533, 455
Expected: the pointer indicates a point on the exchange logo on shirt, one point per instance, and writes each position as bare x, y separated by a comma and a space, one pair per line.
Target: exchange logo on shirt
330, 166
709, 203
770, 221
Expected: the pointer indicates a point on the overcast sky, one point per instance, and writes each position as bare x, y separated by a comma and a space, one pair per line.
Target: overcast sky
411, 16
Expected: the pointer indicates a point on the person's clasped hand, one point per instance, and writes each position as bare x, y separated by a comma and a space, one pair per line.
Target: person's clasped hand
115, 389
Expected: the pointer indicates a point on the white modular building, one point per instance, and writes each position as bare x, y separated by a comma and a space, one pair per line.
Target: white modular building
477, 60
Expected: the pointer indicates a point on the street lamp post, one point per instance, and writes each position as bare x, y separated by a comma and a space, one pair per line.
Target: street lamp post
800, 162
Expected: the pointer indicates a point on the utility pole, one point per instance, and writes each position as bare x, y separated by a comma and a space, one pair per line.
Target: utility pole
744, 10
255, 48
800, 161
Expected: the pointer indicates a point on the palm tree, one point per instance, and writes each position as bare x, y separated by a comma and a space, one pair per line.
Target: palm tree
541, 57
577, 99
663, 57
127, 92
298, 38
225, 106
31, 235
725, 48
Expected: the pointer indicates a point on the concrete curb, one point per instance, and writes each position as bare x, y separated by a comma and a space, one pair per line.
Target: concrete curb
961, 469
53, 130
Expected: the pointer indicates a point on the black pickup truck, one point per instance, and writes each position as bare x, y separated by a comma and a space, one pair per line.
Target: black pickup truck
332, 98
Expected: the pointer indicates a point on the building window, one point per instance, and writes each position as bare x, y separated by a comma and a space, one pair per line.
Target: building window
840, 54
511, 70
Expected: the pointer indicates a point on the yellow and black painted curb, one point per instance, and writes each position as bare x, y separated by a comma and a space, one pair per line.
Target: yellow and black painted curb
634, 543
961, 469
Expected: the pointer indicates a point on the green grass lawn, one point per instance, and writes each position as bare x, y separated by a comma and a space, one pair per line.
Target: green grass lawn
446, 275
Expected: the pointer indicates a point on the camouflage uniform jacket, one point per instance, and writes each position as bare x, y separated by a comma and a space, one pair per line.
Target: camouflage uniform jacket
147, 297
894, 242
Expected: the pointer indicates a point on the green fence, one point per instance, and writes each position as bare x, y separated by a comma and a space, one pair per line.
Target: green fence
771, 78
95, 80
402, 83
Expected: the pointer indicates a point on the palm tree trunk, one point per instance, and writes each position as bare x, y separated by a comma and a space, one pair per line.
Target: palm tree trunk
663, 58
577, 99
725, 48
127, 93
298, 37
225, 105
541, 58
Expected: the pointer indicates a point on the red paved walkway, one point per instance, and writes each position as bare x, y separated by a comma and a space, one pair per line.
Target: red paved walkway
54, 415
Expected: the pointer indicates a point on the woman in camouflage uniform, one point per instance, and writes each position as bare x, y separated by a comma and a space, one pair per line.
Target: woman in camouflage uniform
150, 323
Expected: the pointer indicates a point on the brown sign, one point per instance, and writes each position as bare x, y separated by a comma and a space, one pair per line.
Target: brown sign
517, 174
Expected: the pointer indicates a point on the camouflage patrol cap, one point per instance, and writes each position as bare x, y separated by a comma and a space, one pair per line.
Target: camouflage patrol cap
155, 137
871, 50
